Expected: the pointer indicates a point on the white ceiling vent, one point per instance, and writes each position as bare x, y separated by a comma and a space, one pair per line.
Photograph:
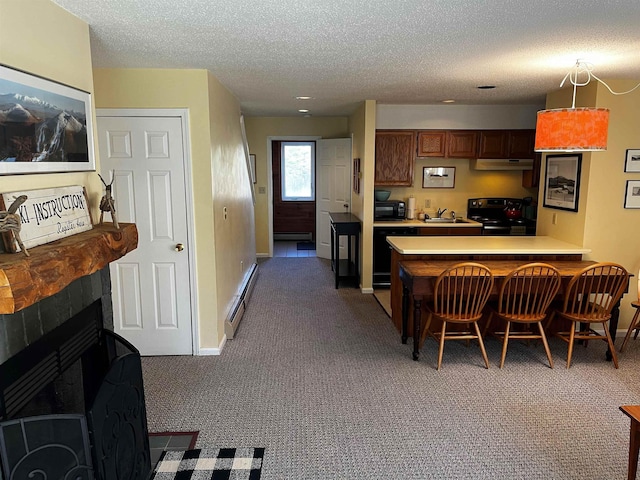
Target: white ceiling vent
501, 164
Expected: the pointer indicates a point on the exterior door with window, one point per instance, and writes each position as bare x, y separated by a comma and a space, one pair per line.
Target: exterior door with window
294, 203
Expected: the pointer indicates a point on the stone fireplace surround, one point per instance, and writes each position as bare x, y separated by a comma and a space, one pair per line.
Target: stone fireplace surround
41, 294
58, 280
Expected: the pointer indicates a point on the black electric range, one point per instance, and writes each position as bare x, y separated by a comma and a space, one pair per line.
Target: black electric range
500, 216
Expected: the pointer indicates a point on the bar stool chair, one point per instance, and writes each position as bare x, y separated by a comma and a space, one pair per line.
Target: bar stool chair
589, 298
524, 298
459, 296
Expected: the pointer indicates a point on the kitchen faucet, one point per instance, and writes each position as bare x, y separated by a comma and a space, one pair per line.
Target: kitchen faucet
440, 212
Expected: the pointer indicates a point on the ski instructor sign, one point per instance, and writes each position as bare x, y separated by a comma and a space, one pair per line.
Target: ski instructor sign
48, 214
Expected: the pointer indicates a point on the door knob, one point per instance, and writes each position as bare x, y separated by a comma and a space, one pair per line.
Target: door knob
179, 247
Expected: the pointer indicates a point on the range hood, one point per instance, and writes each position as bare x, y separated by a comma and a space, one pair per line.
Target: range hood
502, 164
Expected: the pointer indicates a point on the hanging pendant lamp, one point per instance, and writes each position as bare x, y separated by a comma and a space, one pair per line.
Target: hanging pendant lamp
574, 129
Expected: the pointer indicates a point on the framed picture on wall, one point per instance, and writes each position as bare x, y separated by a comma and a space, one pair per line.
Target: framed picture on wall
252, 159
356, 175
46, 126
438, 177
632, 194
632, 161
562, 182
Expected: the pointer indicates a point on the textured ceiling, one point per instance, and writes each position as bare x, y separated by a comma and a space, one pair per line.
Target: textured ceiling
341, 52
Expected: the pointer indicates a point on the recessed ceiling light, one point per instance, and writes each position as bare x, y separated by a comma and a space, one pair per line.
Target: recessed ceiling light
303, 110
303, 97
448, 101
486, 87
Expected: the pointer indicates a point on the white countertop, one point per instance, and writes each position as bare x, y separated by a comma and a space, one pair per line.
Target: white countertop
483, 245
420, 223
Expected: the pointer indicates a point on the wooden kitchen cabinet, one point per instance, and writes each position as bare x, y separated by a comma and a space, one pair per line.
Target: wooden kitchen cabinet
521, 143
432, 143
531, 178
493, 144
448, 143
462, 143
506, 144
395, 157
449, 231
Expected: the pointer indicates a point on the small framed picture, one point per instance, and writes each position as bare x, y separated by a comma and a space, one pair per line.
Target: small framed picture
632, 161
252, 158
562, 182
632, 195
356, 175
438, 177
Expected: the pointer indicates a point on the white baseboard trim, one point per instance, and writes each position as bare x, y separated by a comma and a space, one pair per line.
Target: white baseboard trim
262, 255
366, 290
204, 352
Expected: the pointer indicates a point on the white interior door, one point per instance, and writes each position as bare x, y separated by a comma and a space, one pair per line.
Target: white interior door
333, 190
150, 285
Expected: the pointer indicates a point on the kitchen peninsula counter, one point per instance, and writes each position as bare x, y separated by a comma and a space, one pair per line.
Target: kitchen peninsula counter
484, 245
472, 248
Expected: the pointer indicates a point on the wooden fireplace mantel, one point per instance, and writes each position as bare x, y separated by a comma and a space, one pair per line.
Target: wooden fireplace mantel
51, 267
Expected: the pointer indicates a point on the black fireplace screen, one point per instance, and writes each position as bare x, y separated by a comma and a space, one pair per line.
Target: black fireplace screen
53, 446
114, 413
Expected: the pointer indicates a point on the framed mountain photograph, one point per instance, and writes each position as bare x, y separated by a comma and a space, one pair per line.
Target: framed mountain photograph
44, 126
562, 181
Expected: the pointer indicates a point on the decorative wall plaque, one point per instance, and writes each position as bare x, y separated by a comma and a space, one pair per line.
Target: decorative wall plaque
47, 215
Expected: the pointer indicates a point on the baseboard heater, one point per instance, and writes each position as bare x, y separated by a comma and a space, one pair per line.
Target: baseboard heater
233, 320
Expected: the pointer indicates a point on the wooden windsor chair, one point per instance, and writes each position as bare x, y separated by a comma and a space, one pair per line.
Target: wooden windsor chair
589, 298
635, 321
524, 298
460, 295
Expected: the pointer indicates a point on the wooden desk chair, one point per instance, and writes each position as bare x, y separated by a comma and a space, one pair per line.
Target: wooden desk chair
460, 294
635, 322
589, 298
525, 296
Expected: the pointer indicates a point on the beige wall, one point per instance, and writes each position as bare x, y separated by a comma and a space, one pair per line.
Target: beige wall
602, 223
27, 30
362, 125
218, 178
235, 244
259, 129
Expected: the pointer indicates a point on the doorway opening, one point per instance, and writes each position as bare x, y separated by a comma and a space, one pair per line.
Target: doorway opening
294, 203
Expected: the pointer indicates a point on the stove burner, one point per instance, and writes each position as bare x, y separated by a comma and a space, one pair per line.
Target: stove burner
498, 216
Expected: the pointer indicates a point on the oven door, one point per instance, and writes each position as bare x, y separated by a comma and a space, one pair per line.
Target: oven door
496, 230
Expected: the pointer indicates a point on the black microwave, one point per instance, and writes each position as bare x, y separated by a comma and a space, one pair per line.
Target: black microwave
389, 210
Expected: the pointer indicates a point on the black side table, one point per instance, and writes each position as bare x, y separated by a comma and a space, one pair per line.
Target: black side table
349, 225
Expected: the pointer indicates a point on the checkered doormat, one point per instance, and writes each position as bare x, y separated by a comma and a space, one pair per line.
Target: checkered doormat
210, 464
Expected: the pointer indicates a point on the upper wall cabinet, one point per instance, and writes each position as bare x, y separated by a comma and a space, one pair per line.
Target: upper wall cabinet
432, 143
521, 143
395, 157
462, 143
506, 144
448, 143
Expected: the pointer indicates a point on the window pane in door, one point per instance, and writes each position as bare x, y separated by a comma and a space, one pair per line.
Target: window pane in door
298, 167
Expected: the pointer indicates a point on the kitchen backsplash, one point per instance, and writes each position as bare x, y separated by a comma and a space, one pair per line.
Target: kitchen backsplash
467, 184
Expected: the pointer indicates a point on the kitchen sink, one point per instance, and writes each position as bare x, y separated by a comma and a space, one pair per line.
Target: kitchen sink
445, 220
